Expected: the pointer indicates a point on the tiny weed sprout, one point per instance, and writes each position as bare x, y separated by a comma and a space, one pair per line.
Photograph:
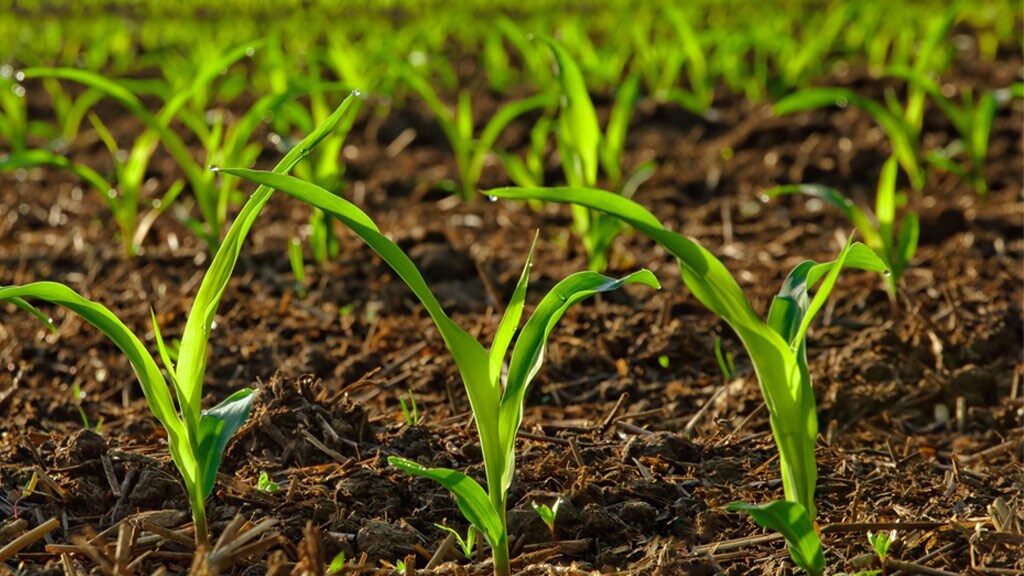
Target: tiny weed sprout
466, 544
895, 248
196, 438
497, 405
410, 413
881, 541
265, 484
584, 148
777, 348
548, 514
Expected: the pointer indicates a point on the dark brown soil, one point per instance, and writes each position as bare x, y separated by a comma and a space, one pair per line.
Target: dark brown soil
920, 400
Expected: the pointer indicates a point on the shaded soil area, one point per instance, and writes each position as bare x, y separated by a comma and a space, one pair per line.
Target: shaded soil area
630, 421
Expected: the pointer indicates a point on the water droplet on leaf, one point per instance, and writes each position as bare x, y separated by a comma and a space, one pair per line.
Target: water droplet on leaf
492, 198
214, 169
765, 198
356, 92
887, 273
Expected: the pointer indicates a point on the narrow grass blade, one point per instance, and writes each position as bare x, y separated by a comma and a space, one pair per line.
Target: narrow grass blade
836, 198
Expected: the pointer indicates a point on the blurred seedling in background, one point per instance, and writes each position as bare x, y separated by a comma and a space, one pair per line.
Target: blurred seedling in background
895, 247
410, 413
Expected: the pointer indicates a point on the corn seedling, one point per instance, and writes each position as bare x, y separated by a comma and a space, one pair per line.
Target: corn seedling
466, 544
584, 148
777, 347
497, 409
880, 542
126, 195
323, 166
265, 484
548, 514
196, 438
663, 60
410, 413
69, 110
895, 247
14, 122
470, 152
902, 136
972, 119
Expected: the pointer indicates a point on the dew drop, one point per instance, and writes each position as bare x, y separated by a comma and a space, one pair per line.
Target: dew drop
214, 169
250, 51
842, 102
887, 273
6, 71
111, 193
19, 76
492, 198
356, 92
49, 321
18, 90
765, 198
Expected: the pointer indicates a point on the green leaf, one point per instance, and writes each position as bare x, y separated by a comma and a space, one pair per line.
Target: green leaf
154, 387
614, 141
836, 198
216, 426
510, 320
528, 354
192, 354
906, 244
470, 497
885, 206
41, 157
792, 521
579, 127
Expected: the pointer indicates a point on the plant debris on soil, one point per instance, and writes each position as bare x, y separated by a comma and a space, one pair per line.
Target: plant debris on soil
630, 422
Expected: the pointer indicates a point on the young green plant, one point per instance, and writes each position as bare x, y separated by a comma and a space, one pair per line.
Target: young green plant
895, 247
196, 438
548, 514
584, 149
777, 347
497, 405
470, 153
466, 544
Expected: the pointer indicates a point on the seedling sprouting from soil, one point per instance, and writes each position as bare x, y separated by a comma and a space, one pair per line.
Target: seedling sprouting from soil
777, 348
466, 544
895, 248
584, 148
410, 413
196, 438
497, 405
548, 514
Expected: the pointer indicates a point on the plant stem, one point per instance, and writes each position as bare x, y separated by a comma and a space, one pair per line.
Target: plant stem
199, 523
